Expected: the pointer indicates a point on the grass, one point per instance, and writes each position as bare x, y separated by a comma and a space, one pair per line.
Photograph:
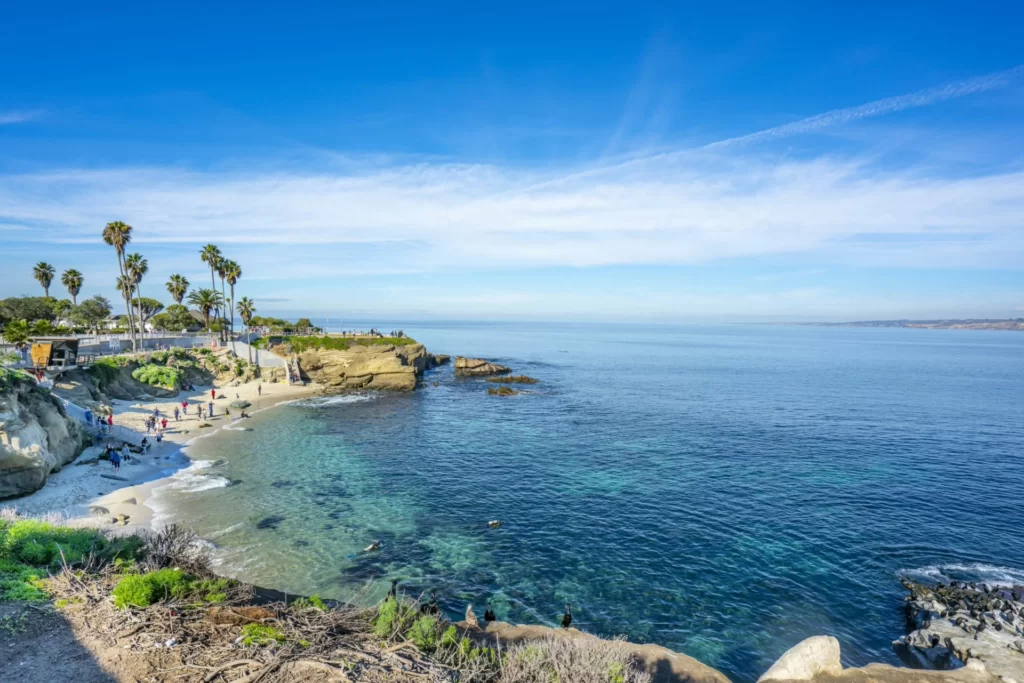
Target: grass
512, 379
30, 549
142, 590
300, 344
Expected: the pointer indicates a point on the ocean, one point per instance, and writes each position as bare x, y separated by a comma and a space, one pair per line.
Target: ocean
725, 491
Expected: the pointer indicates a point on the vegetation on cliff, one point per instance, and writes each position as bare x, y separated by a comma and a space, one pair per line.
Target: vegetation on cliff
155, 596
299, 344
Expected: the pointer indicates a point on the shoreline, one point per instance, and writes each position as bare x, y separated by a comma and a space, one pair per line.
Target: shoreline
85, 494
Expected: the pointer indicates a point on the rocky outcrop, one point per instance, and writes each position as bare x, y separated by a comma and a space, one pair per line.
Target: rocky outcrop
478, 367
956, 624
375, 367
806, 660
664, 665
36, 437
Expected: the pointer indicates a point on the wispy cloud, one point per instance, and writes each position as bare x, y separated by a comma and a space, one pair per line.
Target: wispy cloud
8, 117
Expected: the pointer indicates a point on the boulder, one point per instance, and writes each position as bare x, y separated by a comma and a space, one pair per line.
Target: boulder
441, 359
240, 404
382, 367
805, 660
478, 367
36, 436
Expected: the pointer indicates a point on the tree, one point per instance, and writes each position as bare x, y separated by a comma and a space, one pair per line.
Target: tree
137, 267
206, 300
26, 307
92, 312
304, 324
232, 271
177, 285
211, 256
72, 281
16, 332
118, 235
147, 308
42, 328
61, 309
246, 308
174, 319
44, 273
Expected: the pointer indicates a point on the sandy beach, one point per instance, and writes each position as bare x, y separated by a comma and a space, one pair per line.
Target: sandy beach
86, 490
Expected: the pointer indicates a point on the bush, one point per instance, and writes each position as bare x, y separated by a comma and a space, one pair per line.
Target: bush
158, 375
425, 633
261, 634
571, 661
312, 602
394, 618
142, 590
21, 582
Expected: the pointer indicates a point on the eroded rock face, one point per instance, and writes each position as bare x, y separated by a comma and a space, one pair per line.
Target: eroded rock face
36, 438
375, 367
478, 367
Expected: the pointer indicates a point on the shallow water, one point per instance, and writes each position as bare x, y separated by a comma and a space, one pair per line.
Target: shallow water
725, 491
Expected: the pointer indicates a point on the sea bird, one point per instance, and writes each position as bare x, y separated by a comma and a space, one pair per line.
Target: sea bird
567, 617
471, 619
489, 614
494, 524
431, 607
372, 547
393, 593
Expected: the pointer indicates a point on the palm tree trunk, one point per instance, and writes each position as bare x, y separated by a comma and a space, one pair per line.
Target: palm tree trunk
213, 286
127, 303
223, 298
232, 310
142, 323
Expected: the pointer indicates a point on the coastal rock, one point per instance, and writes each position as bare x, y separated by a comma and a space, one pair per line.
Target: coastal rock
818, 655
478, 367
441, 359
381, 367
964, 624
36, 436
240, 404
664, 665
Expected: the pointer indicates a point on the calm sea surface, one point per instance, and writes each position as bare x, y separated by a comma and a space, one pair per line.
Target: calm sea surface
723, 490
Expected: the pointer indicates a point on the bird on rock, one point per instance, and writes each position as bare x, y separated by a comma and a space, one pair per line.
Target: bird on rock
471, 619
489, 614
567, 617
393, 593
431, 607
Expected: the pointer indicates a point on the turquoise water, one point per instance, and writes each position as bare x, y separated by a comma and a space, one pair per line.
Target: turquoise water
725, 491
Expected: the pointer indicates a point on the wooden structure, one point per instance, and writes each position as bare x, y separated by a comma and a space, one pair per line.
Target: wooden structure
49, 352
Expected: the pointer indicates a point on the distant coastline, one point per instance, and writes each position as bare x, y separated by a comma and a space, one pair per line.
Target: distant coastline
1016, 324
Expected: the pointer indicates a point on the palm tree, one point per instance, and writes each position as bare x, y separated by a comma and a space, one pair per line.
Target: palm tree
222, 274
16, 332
72, 280
246, 308
136, 267
44, 273
177, 285
124, 285
232, 271
211, 256
205, 300
118, 235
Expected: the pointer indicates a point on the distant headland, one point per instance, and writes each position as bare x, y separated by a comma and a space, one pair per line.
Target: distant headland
948, 324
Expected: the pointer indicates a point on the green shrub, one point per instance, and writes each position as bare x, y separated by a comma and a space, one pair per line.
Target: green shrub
142, 590
21, 582
213, 590
424, 633
158, 375
312, 602
40, 544
394, 618
261, 634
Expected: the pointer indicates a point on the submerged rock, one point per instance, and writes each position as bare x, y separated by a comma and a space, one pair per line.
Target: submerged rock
478, 367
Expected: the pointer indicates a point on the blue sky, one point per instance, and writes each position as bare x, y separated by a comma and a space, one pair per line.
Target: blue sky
584, 161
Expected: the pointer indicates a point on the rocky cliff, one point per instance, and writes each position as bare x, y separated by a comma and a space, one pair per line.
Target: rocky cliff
478, 367
377, 367
36, 436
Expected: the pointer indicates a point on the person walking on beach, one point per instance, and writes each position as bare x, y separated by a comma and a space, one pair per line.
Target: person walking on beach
200, 410
126, 453
211, 408
259, 389
184, 407
110, 420
163, 423
177, 414
115, 460
213, 394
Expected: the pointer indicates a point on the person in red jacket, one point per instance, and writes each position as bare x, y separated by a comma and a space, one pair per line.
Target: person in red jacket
110, 420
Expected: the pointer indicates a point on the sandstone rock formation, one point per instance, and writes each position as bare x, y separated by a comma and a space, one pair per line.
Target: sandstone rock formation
806, 660
478, 367
664, 665
377, 367
36, 437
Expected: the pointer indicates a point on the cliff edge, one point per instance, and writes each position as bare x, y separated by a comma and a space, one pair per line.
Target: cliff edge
36, 436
